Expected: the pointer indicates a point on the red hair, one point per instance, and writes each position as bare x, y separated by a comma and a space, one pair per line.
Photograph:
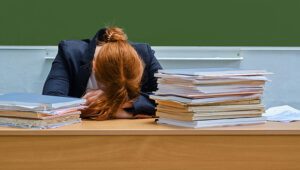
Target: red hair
118, 69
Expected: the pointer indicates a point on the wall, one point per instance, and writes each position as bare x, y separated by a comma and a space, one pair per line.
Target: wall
24, 68
158, 22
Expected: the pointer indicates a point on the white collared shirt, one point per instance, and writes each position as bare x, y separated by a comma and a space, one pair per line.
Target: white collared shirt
92, 83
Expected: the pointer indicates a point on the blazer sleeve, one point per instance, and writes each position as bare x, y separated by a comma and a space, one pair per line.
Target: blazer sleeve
143, 104
57, 82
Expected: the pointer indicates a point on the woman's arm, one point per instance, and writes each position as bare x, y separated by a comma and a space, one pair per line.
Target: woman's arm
57, 82
143, 104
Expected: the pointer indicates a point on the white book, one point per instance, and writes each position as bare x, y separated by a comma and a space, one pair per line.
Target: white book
213, 123
178, 89
214, 72
192, 101
206, 95
52, 122
201, 80
36, 102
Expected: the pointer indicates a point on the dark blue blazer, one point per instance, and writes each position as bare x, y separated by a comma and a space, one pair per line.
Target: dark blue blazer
72, 68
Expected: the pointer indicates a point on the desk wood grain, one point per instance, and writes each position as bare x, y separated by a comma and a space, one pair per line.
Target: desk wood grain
149, 127
141, 144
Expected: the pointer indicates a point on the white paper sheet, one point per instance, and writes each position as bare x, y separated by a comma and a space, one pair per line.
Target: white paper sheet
283, 113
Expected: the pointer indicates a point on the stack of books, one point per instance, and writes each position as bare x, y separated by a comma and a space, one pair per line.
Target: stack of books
210, 97
36, 111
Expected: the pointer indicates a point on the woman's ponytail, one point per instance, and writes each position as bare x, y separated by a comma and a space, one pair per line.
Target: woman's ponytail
118, 69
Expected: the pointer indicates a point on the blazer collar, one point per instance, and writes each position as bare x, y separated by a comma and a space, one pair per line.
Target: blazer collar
85, 69
89, 55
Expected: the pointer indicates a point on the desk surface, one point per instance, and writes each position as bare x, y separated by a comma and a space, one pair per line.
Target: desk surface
149, 127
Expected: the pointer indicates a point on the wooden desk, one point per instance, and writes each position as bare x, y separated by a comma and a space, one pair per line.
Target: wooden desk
141, 144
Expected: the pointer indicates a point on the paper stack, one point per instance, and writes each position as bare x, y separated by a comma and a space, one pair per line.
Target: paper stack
36, 111
210, 97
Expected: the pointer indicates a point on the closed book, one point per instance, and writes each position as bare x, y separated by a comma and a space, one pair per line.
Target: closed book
213, 72
181, 89
197, 95
213, 123
164, 79
38, 114
212, 108
49, 122
203, 101
208, 116
175, 104
36, 102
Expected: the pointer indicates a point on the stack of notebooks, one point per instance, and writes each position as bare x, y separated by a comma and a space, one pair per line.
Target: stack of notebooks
36, 111
210, 97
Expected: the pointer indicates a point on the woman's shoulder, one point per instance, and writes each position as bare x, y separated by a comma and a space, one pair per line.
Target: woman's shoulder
72, 48
144, 50
143, 47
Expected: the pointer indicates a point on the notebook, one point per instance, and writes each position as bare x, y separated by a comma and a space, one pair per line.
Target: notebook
212, 123
36, 102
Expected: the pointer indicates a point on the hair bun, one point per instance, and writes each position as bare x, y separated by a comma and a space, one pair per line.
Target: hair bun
114, 34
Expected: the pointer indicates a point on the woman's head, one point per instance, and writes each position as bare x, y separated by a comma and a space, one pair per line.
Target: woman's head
118, 70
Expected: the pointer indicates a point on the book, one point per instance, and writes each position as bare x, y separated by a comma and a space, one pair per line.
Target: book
36, 102
49, 122
206, 116
210, 82
180, 79
175, 104
214, 72
204, 96
38, 114
212, 108
205, 90
209, 100
212, 123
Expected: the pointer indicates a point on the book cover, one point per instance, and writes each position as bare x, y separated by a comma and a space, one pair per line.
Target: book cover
36, 102
213, 123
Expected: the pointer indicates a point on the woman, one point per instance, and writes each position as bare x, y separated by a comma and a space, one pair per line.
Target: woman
115, 76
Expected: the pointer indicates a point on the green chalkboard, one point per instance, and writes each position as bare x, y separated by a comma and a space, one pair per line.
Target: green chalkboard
158, 22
